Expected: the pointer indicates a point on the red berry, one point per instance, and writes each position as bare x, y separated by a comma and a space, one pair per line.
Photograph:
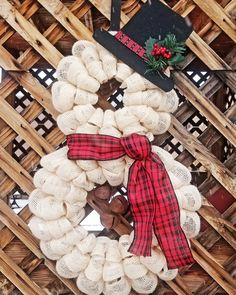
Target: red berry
153, 53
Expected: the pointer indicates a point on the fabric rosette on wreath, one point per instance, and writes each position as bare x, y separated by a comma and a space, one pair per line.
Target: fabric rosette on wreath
110, 146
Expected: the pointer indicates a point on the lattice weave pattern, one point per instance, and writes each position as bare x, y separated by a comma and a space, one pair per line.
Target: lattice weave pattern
202, 136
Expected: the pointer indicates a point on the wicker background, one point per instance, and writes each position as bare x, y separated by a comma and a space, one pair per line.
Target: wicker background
34, 36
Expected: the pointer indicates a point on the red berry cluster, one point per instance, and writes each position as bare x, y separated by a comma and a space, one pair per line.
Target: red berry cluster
158, 51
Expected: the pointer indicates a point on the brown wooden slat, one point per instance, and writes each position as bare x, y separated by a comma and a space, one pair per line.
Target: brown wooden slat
184, 7
203, 155
214, 263
210, 284
15, 171
23, 128
35, 289
28, 8
21, 230
210, 185
213, 273
67, 19
206, 107
215, 220
30, 33
30, 161
29, 58
217, 14
14, 278
104, 6
24, 78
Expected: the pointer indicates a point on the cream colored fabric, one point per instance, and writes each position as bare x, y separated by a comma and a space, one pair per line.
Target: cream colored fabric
120, 286
167, 274
133, 268
62, 185
53, 160
145, 284
63, 96
89, 287
67, 122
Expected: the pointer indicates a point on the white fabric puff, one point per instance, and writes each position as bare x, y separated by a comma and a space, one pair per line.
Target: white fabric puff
155, 262
41, 176
67, 122
53, 160
191, 199
76, 261
47, 208
109, 61
120, 286
167, 274
190, 223
94, 269
84, 97
179, 175
113, 253
56, 186
64, 271
145, 284
89, 287
123, 72
76, 195
63, 96
87, 244
133, 268
68, 170
63, 67
112, 271
79, 46
133, 83
83, 113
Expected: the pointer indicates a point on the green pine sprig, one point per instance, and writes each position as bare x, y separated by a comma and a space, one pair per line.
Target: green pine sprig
158, 65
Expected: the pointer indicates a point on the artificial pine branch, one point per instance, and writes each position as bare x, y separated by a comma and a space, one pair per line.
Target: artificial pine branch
159, 62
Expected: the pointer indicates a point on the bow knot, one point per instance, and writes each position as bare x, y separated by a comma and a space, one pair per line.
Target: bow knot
152, 199
136, 146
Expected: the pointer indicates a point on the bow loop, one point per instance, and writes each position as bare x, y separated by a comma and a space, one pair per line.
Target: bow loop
136, 146
152, 199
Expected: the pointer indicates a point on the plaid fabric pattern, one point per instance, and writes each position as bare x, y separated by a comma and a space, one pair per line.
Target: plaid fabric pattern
131, 44
152, 199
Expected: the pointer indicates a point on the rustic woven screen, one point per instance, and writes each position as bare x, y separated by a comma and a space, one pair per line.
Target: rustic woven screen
34, 36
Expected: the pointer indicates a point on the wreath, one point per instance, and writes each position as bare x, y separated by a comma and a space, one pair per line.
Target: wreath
99, 264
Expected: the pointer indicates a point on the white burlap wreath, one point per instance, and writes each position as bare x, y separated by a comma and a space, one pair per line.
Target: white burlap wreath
102, 265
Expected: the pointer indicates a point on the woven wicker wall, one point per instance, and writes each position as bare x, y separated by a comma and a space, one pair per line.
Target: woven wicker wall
34, 35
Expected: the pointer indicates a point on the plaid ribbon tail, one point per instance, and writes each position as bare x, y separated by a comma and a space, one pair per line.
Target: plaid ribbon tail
152, 198
142, 208
166, 224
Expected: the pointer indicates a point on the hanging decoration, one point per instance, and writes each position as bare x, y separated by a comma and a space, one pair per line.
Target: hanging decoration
99, 264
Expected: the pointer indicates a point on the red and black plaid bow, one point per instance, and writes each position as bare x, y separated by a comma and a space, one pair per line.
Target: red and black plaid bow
152, 199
